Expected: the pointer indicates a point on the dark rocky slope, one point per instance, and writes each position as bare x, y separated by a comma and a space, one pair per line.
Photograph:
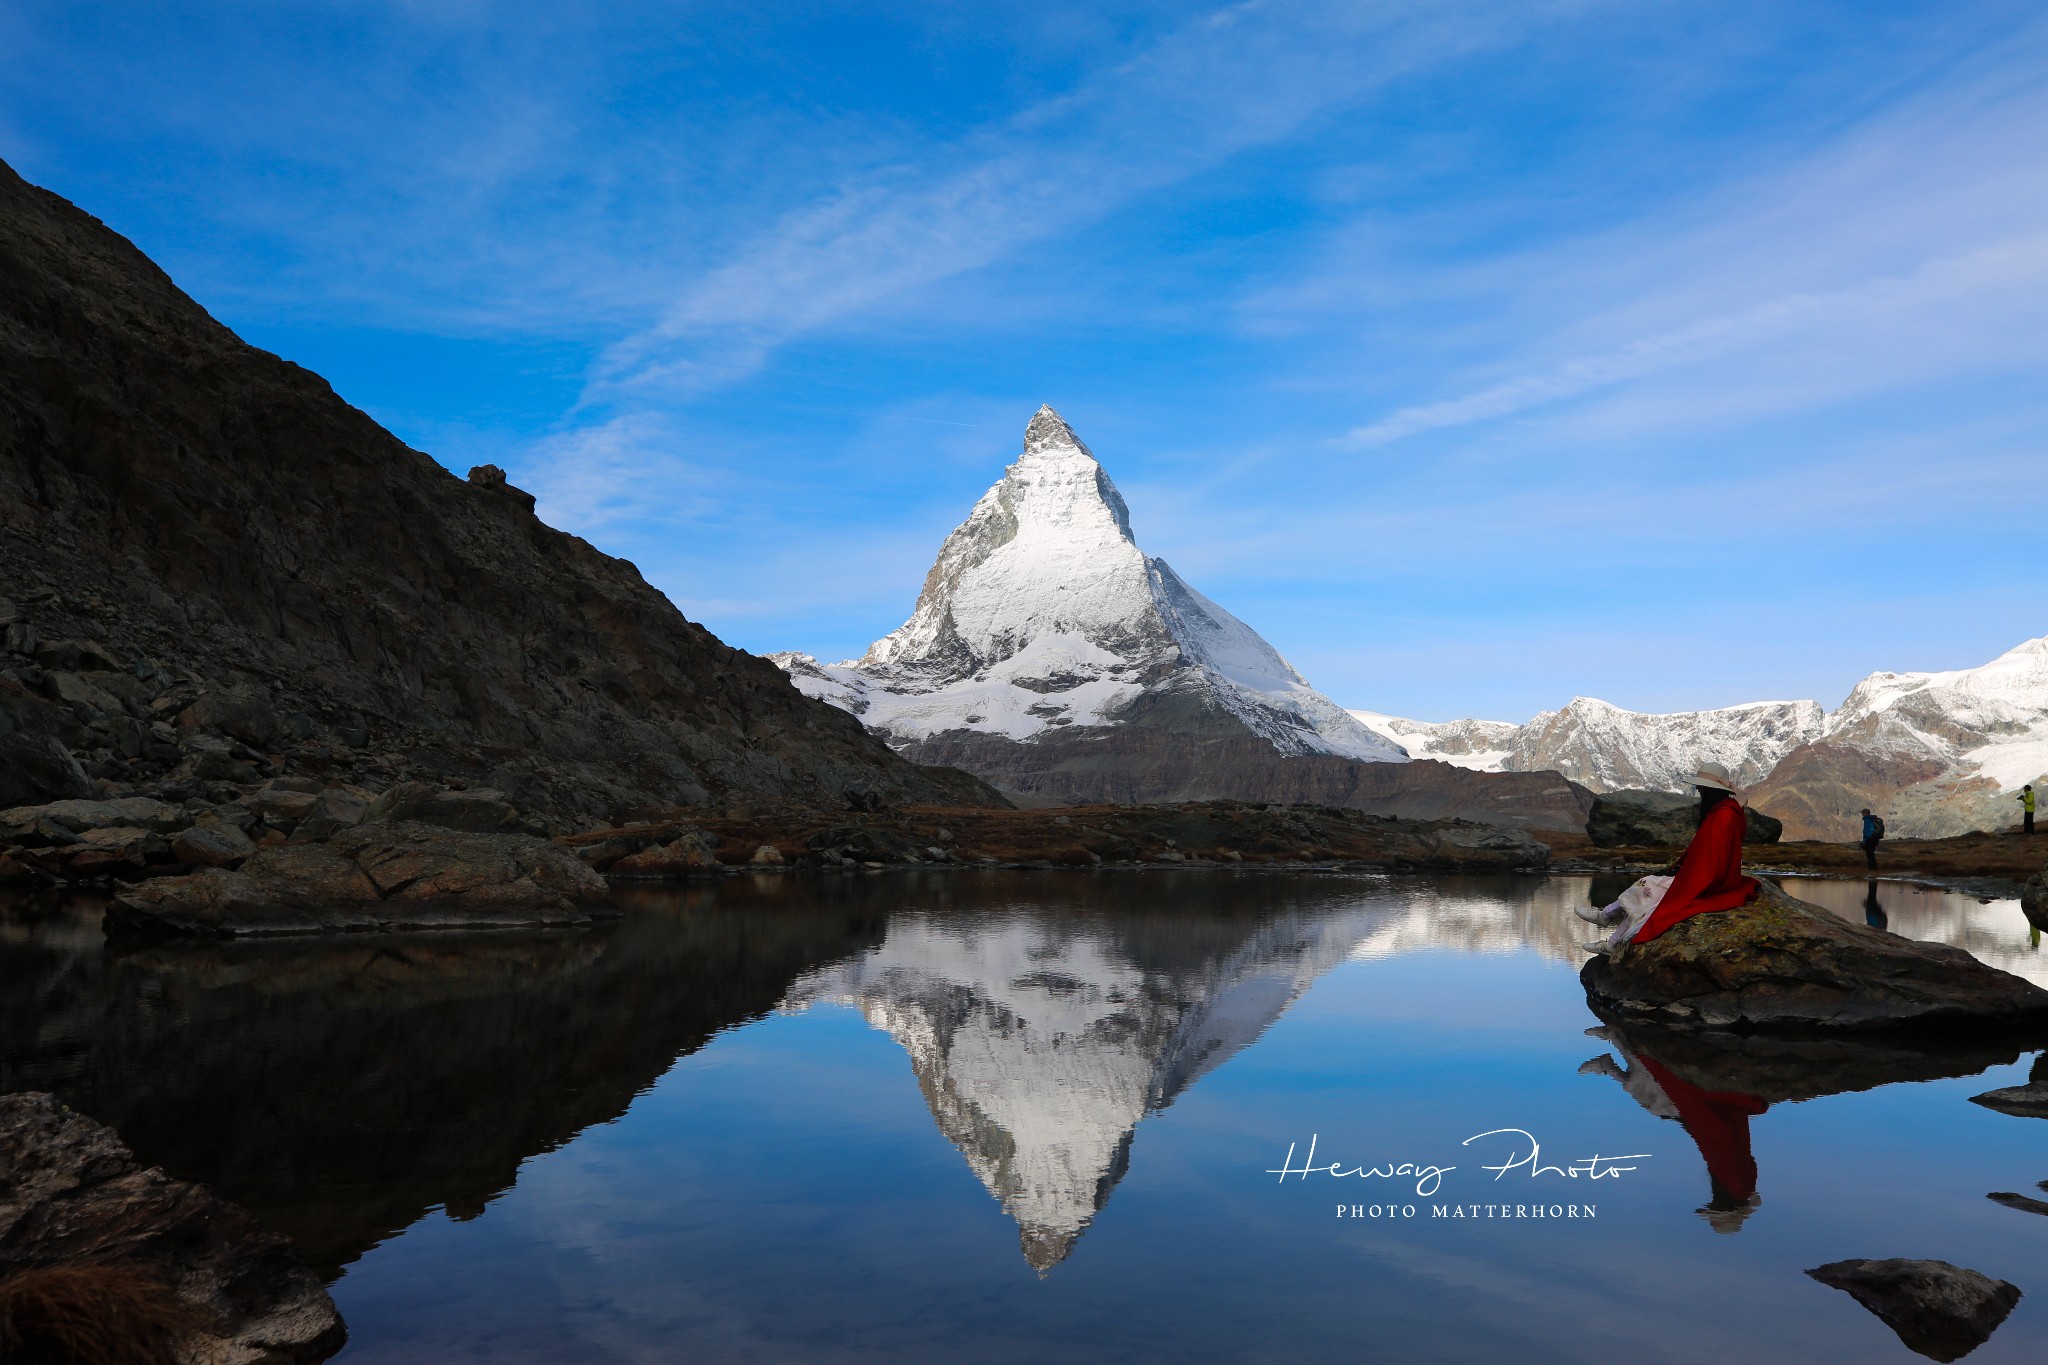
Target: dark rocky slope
214, 569
1170, 748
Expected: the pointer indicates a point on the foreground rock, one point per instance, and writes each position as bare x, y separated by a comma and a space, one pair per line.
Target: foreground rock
163, 1269
1939, 1310
1652, 819
1781, 964
382, 876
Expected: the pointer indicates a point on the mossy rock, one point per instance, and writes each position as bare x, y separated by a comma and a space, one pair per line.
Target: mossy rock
1782, 964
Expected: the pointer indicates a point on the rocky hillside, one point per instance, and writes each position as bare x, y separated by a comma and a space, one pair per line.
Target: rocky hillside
1937, 754
1050, 655
212, 569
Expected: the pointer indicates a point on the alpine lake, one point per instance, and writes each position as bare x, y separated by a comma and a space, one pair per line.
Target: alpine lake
1026, 1116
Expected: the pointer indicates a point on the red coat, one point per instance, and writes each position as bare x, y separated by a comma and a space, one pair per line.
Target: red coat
1709, 876
1718, 1122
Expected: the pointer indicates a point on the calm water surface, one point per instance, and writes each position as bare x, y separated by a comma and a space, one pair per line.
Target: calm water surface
1022, 1116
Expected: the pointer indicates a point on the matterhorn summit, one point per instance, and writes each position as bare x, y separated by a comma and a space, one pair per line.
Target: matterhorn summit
1043, 621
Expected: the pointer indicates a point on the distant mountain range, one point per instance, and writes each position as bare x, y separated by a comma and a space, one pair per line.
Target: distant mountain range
1051, 656
1935, 753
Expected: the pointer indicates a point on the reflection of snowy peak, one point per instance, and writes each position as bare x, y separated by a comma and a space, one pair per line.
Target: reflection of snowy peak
1041, 612
1041, 1041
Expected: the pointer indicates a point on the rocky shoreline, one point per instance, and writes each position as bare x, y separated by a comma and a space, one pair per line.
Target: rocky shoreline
102, 1259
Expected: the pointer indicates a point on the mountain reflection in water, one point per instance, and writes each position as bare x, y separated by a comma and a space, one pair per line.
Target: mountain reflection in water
345, 1089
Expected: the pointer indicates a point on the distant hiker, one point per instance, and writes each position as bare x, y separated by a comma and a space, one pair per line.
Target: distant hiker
2027, 809
1708, 877
1873, 831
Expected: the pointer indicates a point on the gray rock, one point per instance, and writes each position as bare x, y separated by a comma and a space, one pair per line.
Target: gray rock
283, 808
333, 811
139, 812
1781, 964
249, 719
373, 876
39, 768
220, 845
1653, 819
2028, 1101
71, 1195
476, 812
1939, 1310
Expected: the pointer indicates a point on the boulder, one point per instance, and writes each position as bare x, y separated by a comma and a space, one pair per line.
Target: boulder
1653, 819
37, 768
279, 806
694, 851
214, 845
1781, 964
478, 812
767, 855
1939, 1310
373, 876
332, 811
249, 719
140, 1255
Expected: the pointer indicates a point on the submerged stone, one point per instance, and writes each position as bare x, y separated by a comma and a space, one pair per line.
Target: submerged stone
1939, 1310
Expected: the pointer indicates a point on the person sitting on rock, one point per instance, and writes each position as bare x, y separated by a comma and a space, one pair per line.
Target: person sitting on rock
1708, 877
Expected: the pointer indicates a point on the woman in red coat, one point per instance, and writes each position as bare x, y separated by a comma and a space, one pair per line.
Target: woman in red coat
1709, 876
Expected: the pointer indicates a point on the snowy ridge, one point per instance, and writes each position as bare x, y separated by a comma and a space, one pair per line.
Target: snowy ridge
1041, 612
1984, 730
1606, 748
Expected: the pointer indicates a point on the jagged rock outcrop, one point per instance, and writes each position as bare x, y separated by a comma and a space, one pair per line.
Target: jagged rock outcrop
82, 1223
1654, 819
1939, 1310
1781, 964
213, 571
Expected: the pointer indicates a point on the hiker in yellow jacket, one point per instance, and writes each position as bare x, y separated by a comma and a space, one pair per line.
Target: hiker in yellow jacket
2027, 809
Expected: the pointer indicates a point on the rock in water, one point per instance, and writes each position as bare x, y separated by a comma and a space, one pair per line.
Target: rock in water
1781, 964
1939, 1310
1654, 819
373, 876
73, 1198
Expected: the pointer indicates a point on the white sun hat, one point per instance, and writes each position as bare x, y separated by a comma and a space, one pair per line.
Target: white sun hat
1714, 775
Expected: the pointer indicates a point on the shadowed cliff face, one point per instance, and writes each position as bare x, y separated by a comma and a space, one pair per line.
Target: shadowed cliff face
341, 1089
205, 511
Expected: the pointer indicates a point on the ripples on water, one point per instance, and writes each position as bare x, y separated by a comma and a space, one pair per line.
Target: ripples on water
997, 1116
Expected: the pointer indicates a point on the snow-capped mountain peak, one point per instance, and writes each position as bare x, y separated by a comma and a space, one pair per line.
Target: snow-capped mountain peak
1041, 612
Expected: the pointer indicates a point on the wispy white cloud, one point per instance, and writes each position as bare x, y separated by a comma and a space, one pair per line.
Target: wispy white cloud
1237, 78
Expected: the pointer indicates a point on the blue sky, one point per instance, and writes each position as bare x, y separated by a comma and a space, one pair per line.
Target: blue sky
1478, 354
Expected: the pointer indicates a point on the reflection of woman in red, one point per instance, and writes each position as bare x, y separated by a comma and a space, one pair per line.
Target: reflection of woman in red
1708, 878
1716, 1120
